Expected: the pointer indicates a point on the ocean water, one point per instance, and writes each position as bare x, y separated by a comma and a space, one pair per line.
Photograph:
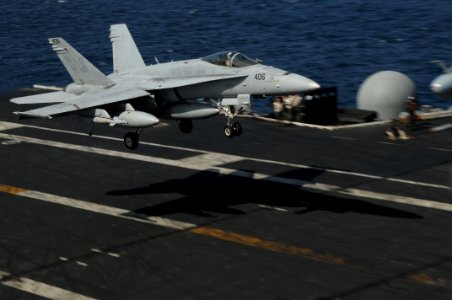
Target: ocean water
336, 43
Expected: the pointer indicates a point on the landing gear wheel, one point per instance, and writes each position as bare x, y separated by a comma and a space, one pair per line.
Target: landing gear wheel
131, 140
186, 126
237, 128
228, 131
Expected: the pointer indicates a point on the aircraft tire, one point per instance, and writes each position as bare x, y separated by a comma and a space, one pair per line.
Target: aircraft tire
237, 128
185, 126
131, 140
229, 131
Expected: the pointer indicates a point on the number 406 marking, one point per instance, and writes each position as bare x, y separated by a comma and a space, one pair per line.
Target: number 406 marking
259, 76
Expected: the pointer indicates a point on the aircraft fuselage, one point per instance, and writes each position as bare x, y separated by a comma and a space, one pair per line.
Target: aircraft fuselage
257, 79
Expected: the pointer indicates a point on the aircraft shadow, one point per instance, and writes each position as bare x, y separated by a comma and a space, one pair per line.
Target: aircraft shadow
230, 190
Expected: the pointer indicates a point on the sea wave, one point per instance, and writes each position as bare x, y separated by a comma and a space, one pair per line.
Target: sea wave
337, 43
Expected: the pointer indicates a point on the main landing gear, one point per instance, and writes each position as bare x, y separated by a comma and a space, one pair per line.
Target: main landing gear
131, 139
231, 128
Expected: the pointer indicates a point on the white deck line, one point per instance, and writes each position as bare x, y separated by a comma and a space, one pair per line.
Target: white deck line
40, 289
425, 116
193, 161
329, 128
199, 166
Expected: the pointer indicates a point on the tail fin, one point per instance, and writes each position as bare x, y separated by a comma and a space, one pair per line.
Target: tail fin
126, 56
80, 69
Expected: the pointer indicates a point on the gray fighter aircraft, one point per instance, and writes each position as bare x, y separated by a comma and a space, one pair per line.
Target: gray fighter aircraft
442, 84
134, 95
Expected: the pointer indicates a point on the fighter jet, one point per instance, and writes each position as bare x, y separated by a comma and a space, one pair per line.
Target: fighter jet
442, 84
135, 95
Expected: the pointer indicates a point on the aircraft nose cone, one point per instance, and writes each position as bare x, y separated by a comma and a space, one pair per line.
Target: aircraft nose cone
297, 83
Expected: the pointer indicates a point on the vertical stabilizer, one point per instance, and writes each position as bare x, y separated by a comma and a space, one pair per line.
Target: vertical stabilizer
126, 56
80, 69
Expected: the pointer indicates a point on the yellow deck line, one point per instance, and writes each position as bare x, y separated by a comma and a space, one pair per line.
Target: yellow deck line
11, 189
268, 245
173, 224
251, 241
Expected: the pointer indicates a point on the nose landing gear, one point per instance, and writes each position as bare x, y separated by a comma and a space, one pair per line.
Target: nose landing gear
231, 128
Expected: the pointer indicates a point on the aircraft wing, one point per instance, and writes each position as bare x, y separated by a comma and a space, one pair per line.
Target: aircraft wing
52, 97
174, 82
85, 101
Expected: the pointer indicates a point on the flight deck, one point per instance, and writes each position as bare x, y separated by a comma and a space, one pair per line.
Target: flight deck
281, 212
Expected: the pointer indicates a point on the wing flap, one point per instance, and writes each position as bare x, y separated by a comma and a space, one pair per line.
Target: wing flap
83, 102
169, 83
53, 97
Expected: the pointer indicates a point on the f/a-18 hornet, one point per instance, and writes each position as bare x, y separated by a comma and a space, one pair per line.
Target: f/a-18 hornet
442, 84
134, 95
442, 87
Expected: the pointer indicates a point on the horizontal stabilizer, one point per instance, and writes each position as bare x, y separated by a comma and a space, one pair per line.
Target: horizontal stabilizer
30, 115
91, 100
53, 97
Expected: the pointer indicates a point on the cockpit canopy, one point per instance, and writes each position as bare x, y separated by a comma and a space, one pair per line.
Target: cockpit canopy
230, 59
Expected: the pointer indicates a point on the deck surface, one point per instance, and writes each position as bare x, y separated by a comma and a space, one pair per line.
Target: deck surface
280, 212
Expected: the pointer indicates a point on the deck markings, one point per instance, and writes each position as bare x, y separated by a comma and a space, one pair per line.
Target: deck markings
10, 142
216, 233
215, 158
357, 174
398, 199
39, 288
113, 254
94, 207
440, 149
80, 263
268, 245
389, 143
201, 165
381, 196
9, 125
212, 159
173, 224
275, 208
426, 279
343, 137
211, 232
230, 236
109, 253
206, 165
